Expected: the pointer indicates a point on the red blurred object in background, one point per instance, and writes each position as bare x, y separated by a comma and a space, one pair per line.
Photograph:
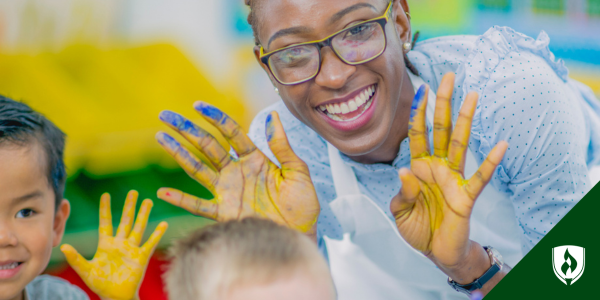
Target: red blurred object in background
152, 286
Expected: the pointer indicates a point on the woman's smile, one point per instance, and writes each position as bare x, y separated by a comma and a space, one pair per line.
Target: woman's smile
352, 111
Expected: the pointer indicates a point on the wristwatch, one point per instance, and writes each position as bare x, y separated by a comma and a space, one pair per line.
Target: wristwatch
497, 263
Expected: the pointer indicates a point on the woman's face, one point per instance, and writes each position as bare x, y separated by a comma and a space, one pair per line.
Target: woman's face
379, 120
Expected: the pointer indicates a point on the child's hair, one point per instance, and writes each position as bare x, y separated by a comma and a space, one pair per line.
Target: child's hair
21, 125
252, 251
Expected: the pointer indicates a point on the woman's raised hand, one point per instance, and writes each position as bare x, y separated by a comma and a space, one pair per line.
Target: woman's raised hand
250, 185
118, 267
433, 207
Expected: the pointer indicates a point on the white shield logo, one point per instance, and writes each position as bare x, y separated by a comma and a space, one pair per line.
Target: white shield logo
568, 263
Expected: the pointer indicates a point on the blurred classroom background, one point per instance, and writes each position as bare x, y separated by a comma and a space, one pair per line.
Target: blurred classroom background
102, 70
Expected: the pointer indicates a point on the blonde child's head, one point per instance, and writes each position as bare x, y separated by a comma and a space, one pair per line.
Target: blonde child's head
247, 259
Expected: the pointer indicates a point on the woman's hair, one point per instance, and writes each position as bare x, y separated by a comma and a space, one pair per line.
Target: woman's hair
252, 20
218, 257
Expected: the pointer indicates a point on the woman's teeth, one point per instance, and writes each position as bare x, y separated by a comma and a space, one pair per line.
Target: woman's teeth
333, 110
9, 266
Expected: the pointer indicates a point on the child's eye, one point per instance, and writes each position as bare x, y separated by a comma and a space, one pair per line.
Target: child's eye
25, 213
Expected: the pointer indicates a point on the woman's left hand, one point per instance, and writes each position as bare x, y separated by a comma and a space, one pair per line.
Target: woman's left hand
433, 208
117, 269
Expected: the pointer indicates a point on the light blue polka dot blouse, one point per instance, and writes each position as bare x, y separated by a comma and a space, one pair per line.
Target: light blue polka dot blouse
526, 98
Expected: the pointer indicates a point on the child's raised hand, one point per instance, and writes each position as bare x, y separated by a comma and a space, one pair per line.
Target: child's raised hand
118, 267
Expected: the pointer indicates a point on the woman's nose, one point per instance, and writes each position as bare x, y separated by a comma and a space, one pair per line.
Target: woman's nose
334, 72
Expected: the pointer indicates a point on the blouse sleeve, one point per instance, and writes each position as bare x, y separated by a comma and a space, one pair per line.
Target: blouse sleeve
526, 100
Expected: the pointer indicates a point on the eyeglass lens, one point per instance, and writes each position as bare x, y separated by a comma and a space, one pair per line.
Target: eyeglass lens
355, 45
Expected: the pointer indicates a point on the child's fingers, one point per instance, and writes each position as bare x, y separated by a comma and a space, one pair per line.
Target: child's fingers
140, 223
75, 260
128, 214
153, 240
106, 227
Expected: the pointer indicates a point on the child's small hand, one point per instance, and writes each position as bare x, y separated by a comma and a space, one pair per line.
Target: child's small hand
117, 269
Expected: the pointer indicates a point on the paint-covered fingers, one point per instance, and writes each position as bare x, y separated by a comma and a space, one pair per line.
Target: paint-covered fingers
195, 205
198, 170
106, 227
485, 172
140, 222
405, 200
128, 214
75, 260
442, 120
153, 240
280, 146
459, 143
232, 132
417, 127
199, 137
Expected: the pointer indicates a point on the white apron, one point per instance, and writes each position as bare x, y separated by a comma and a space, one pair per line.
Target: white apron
373, 261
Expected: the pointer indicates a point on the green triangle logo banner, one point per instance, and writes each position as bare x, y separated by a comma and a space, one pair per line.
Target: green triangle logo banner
563, 264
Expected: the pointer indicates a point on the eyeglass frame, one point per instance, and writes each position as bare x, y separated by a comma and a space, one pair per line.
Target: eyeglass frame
326, 42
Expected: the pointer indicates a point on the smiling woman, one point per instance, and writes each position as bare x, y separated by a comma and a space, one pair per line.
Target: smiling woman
360, 116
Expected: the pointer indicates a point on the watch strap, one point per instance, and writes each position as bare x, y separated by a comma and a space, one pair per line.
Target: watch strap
479, 282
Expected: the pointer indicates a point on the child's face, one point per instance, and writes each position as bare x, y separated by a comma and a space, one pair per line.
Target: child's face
29, 226
299, 286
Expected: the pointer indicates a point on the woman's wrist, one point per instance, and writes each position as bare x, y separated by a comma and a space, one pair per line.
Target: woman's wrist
476, 263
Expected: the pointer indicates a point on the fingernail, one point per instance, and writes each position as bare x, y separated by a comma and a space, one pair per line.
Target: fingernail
171, 118
270, 129
209, 111
419, 96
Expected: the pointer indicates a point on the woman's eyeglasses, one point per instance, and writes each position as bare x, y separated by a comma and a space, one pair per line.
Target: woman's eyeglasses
355, 45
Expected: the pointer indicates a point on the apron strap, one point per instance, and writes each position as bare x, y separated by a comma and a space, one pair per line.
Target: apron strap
344, 178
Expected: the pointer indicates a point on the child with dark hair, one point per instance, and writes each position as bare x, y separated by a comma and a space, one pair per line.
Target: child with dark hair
33, 215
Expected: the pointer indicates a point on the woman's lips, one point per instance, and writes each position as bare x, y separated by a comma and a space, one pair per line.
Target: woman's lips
9, 269
351, 118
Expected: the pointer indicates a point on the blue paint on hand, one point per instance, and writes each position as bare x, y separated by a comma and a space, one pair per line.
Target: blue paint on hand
417, 101
270, 129
171, 118
191, 128
209, 111
169, 141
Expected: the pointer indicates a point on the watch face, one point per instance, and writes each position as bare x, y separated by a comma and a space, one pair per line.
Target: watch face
497, 255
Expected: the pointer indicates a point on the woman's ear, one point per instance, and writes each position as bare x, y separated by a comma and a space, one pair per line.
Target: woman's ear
401, 17
60, 221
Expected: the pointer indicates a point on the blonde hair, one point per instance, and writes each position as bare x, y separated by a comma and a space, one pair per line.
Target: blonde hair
251, 251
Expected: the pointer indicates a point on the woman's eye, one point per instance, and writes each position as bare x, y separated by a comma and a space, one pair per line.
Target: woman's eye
25, 213
357, 30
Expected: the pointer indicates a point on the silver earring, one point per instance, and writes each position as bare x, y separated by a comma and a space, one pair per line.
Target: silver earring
277, 91
407, 46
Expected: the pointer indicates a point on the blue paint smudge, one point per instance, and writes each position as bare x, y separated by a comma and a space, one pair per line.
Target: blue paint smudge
210, 111
270, 129
419, 97
171, 118
191, 128
170, 142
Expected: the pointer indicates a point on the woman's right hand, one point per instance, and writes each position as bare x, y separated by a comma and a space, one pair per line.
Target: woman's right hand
248, 186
